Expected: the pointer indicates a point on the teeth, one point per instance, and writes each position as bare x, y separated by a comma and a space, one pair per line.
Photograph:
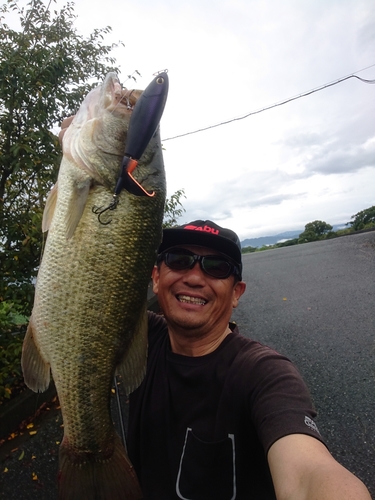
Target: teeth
191, 300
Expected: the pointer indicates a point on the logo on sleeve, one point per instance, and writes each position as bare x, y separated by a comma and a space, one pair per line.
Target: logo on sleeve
310, 423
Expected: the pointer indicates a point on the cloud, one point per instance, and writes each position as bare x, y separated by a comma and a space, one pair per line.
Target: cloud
302, 140
312, 158
331, 154
343, 160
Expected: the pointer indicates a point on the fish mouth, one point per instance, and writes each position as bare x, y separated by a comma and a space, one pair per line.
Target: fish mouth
128, 97
116, 97
188, 299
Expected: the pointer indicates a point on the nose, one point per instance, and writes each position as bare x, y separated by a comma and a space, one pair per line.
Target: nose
194, 275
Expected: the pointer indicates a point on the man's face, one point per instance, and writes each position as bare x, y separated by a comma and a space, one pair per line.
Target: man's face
193, 302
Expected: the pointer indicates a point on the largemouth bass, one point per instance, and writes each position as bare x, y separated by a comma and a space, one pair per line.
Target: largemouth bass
89, 317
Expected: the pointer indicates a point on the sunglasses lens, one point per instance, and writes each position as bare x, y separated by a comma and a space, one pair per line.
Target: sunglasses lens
179, 261
216, 267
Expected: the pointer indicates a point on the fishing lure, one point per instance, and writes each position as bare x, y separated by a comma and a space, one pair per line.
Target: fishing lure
144, 121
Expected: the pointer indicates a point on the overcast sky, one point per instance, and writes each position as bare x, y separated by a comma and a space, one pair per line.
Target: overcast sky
312, 158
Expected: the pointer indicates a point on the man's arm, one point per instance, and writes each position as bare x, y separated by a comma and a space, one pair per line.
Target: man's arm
303, 469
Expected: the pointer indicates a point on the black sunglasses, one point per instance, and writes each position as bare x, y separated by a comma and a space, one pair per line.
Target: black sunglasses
216, 266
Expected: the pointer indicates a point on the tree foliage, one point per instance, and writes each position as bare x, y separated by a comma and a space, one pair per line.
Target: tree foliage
45, 68
173, 208
287, 243
314, 231
248, 249
12, 330
364, 219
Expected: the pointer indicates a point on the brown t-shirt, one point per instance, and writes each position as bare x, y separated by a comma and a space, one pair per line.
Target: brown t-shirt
201, 427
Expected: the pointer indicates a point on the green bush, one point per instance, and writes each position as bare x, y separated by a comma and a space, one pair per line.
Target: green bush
12, 331
342, 232
330, 235
287, 243
248, 249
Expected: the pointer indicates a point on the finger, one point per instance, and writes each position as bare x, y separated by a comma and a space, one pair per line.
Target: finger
67, 121
64, 127
61, 135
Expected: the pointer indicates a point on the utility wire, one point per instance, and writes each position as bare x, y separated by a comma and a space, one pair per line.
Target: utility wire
280, 103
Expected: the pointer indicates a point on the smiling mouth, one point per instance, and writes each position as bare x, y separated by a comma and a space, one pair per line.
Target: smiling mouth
191, 300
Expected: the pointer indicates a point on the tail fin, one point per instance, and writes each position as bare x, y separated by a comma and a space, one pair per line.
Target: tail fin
93, 477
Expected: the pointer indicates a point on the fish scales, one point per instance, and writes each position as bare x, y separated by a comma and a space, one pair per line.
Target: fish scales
91, 297
89, 316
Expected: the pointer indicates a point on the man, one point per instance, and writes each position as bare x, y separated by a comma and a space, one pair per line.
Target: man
220, 416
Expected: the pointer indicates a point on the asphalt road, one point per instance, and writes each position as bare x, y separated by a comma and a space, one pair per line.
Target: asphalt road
314, 303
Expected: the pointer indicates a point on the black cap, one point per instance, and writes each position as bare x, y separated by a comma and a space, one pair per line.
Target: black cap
204, 233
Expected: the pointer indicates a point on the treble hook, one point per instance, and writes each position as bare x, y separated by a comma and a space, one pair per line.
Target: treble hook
99, 211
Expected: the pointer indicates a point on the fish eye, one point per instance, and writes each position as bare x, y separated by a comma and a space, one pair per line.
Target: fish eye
160, 80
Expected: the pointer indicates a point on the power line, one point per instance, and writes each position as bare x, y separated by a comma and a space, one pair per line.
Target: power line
280, 103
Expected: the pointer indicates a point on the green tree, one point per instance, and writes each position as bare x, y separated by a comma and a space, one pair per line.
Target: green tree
12, 330
364, 219
173, 208
45, 68
314, 231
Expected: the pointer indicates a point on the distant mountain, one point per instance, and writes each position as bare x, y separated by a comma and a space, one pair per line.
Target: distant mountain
272, 240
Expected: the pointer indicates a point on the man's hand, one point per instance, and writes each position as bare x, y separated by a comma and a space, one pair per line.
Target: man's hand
302, 468
64, 126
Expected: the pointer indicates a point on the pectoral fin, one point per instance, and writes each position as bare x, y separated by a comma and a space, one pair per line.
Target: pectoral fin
76, 207
49, 209
133, 367
36, 371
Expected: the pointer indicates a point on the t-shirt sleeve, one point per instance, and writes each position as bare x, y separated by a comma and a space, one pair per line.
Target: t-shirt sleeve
279, 401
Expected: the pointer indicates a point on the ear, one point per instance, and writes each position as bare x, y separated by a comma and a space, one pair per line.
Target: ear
155, 279
238, 290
